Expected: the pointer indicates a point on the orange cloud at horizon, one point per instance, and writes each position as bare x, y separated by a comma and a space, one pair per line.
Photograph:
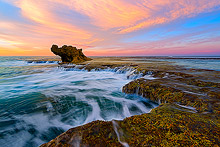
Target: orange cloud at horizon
25, 52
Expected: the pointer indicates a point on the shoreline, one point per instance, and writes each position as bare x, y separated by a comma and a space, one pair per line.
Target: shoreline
178, 90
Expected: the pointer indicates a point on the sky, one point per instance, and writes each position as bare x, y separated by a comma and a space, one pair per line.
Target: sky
111, 27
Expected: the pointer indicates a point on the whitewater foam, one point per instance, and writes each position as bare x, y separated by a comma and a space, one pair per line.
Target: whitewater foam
40, 106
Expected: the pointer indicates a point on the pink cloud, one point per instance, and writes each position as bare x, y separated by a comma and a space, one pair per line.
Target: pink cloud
108, 21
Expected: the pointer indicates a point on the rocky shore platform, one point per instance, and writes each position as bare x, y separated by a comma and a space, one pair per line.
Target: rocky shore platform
188, 114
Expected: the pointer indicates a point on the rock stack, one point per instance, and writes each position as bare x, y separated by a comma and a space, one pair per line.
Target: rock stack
69, 54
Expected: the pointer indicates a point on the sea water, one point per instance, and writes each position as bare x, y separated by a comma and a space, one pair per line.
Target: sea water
210, 63
39, 101
189, 62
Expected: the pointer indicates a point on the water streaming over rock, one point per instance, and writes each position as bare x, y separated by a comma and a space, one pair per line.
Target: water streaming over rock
41, 101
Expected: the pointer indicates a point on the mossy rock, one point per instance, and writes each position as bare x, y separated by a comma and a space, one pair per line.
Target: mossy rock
161, 91
166, 125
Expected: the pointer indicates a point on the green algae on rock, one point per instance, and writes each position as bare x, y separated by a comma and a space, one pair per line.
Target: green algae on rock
166, 125
69, 54
160, 90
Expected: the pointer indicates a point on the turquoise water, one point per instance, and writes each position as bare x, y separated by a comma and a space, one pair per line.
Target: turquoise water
40, 101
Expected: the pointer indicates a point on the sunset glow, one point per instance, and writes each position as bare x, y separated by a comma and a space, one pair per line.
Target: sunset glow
110, 27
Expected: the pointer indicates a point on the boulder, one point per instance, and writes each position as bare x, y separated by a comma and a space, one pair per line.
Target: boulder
69, 54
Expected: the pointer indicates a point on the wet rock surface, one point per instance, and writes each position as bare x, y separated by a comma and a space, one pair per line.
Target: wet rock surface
69, 54
188, 114
167, 125
203, 98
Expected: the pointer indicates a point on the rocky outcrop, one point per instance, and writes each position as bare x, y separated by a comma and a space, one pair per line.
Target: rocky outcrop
69, 54
165, 91
166, 125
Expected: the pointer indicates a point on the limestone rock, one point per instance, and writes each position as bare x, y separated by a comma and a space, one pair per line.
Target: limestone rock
69, 54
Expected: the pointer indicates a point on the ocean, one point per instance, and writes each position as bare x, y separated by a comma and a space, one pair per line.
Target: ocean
39, 101
188, 62
210, 63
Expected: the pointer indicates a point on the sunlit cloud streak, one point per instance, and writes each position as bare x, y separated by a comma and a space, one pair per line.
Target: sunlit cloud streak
166, 11
102, 26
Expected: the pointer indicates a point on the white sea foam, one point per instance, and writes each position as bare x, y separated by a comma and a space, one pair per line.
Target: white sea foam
55, 100
119, 133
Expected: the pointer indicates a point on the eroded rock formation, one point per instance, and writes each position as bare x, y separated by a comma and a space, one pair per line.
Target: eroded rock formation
69, 54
